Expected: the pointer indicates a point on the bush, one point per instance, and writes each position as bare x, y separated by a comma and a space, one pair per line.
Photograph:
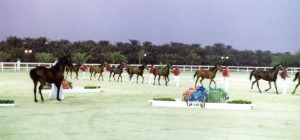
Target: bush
164, 99
7, 101
239, 102
91, 87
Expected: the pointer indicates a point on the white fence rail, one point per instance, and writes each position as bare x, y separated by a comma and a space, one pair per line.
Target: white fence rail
26, 66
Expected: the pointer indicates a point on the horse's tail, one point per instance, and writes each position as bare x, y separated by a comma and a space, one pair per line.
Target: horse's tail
296, 76
195, 74
251, 74
33, 74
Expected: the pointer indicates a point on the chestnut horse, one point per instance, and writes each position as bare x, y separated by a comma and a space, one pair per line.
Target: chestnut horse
138, 70
163, 71
270, 76
117, 70
74, 69
208, 74
297, 76
54, 74
97, 69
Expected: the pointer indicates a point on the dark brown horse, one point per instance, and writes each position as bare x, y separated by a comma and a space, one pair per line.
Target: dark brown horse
97, 69
208, 74
138, 70
55, 75
163, 71
116, 70
74, 69
297, 76
268, 75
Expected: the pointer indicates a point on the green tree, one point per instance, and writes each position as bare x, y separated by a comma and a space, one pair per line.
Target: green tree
3, 56
141, 55
44, 57
80, 57
115, 56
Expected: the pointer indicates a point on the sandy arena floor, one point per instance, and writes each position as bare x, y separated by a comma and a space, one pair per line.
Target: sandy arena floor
122, 112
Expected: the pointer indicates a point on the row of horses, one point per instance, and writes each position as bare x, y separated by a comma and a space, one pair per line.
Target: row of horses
55, 74
118, 70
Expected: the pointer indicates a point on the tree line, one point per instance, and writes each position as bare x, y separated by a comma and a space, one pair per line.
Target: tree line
42, 49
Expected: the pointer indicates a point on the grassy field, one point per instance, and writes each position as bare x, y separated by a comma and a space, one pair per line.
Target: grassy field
122, 112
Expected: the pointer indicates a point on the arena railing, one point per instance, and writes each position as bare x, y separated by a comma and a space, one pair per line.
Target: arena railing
26, 66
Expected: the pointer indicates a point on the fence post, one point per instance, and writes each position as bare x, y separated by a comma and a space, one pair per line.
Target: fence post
18, 64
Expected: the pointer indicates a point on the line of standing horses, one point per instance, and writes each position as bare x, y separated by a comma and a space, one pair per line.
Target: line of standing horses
55, 74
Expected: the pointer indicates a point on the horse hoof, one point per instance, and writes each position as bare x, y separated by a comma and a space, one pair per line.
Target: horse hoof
35, 101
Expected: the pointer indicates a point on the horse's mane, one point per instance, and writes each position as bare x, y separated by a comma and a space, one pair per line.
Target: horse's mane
274, 68
213, 68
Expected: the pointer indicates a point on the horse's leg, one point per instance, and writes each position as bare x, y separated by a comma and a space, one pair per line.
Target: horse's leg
34, 90
269, 86
253, 84
210, 82
40, 90
71, 74
257, 83
99, 76
114, 76
91, 74
95, 75
158, 80
76, 75
154, 79
58, 89
110, 76
196, 81
276, 87
166, 80
137, 78
143, 79
296, 88
214, 82
201, 81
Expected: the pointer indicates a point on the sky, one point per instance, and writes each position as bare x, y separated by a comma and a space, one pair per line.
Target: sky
244, 24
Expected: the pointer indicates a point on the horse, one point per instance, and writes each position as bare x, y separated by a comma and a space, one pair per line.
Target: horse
268, 75
54, 74
138, 70
163, 71
116, 70
208, 74
74, 69
97, 69
297, 76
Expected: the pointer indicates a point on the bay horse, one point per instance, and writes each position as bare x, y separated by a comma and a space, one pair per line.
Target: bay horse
97, 69
297, 76
207, 74
138, 70
163, 71
54, 74
268, 75
74, 69
116, 70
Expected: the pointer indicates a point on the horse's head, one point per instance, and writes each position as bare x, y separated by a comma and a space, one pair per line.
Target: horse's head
67, 60
170, 65
146, 67
218, 67
104, 64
